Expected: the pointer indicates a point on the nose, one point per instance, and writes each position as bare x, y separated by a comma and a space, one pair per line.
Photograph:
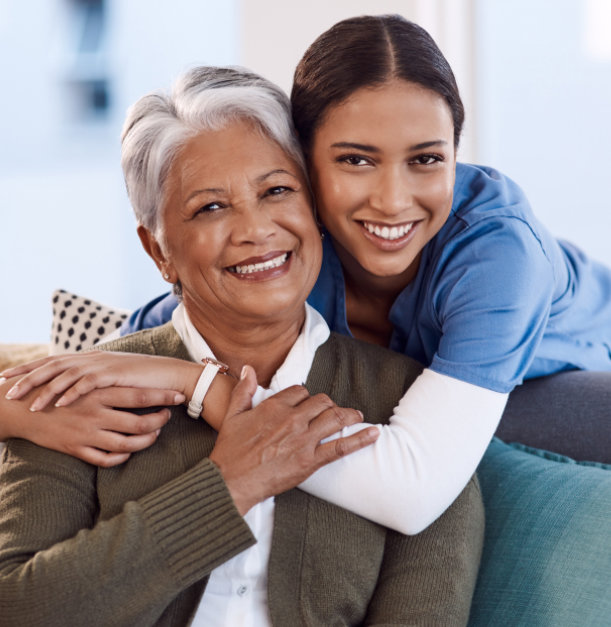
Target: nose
252, 224
393, 193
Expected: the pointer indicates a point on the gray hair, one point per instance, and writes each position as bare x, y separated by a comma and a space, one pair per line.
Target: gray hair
202, 99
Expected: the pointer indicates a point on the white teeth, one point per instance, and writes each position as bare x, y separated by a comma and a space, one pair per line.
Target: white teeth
259, 267
389, 233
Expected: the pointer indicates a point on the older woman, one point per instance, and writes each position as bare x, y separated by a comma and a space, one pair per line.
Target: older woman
189, 529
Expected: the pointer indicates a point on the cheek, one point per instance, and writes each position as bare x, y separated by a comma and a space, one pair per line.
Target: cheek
440, 194
335, 195
310, 243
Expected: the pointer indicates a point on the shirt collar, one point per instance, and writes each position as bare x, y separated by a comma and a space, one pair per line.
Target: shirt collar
296, 366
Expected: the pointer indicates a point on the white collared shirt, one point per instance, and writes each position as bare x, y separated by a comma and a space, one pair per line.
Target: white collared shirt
236, 593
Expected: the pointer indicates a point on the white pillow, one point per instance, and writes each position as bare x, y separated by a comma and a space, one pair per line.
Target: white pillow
80, 323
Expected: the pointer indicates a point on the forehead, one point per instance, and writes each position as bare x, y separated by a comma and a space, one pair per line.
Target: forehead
397, 104
239, 151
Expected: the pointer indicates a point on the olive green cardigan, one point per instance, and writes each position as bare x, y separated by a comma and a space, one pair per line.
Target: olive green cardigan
134, 545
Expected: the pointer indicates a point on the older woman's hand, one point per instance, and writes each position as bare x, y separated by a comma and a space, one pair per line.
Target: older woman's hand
267, 450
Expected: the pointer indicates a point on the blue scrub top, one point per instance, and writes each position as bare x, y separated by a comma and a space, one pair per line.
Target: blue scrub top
496, 299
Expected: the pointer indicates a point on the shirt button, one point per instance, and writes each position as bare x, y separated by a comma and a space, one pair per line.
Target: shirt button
242, 590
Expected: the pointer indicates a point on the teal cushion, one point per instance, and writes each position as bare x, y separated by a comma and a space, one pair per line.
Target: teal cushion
547, 550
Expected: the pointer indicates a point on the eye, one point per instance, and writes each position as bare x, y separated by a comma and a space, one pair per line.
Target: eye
354, 160
278, 190
209, 208
427, 159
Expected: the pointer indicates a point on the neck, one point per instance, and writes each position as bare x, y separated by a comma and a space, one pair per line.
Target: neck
263, 345
369, 299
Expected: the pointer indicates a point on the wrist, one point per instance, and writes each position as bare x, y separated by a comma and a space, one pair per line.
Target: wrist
212, 368
191, 376
13, 414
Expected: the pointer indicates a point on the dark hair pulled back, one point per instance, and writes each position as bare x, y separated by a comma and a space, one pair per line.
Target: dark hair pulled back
368, 51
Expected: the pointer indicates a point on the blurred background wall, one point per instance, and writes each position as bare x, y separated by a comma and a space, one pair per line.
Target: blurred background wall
535, 76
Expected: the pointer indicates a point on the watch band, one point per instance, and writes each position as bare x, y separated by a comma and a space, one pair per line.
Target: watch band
211, 368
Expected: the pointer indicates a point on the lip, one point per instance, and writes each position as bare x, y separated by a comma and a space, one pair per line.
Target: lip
387, 244
274, 264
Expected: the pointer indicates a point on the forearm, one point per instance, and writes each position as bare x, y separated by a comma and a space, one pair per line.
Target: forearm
59, 564
217, 399
15, 419
422, 460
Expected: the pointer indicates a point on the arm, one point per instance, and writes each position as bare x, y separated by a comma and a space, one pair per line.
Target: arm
69, 377
59, 566
419, 444
437, 435
59, 562
100, 430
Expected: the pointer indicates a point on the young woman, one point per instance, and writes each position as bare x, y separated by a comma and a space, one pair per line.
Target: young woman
441, 261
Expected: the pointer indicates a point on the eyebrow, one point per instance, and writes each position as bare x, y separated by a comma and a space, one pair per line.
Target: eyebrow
207, 190
220, 190
370, 148
261, 179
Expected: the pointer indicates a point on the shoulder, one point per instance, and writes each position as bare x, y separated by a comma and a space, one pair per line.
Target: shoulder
161, 340
361, 375
483, 194
344, 347
492, 221
477, 184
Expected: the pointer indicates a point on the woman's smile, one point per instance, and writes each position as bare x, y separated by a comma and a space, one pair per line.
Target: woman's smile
238, 228
262, 268
388, 236
382, 166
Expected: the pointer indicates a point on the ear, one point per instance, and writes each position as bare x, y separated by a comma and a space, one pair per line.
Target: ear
155, 252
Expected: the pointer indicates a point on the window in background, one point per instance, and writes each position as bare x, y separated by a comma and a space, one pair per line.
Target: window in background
87, 76
70, 70
543, 101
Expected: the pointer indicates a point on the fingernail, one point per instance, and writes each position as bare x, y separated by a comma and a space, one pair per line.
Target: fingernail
2, 379
361, 414
157, 432
60, 403
243, 372
179, 398
11, 393
33, 407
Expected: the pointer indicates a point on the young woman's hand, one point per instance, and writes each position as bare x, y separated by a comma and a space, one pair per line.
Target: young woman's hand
74, 375
94, 428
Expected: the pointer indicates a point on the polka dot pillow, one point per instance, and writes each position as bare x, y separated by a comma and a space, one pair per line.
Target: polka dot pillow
80, 323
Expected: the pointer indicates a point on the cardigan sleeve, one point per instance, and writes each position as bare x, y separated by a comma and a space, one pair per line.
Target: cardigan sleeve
429, 579
60, 565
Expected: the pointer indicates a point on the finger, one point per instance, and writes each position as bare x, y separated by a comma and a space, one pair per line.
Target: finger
78, 380
57, 374
113, 442
333, 420
241, 395
15, 371
128, 423
132, 398
298, 397
331, 451
100, 458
